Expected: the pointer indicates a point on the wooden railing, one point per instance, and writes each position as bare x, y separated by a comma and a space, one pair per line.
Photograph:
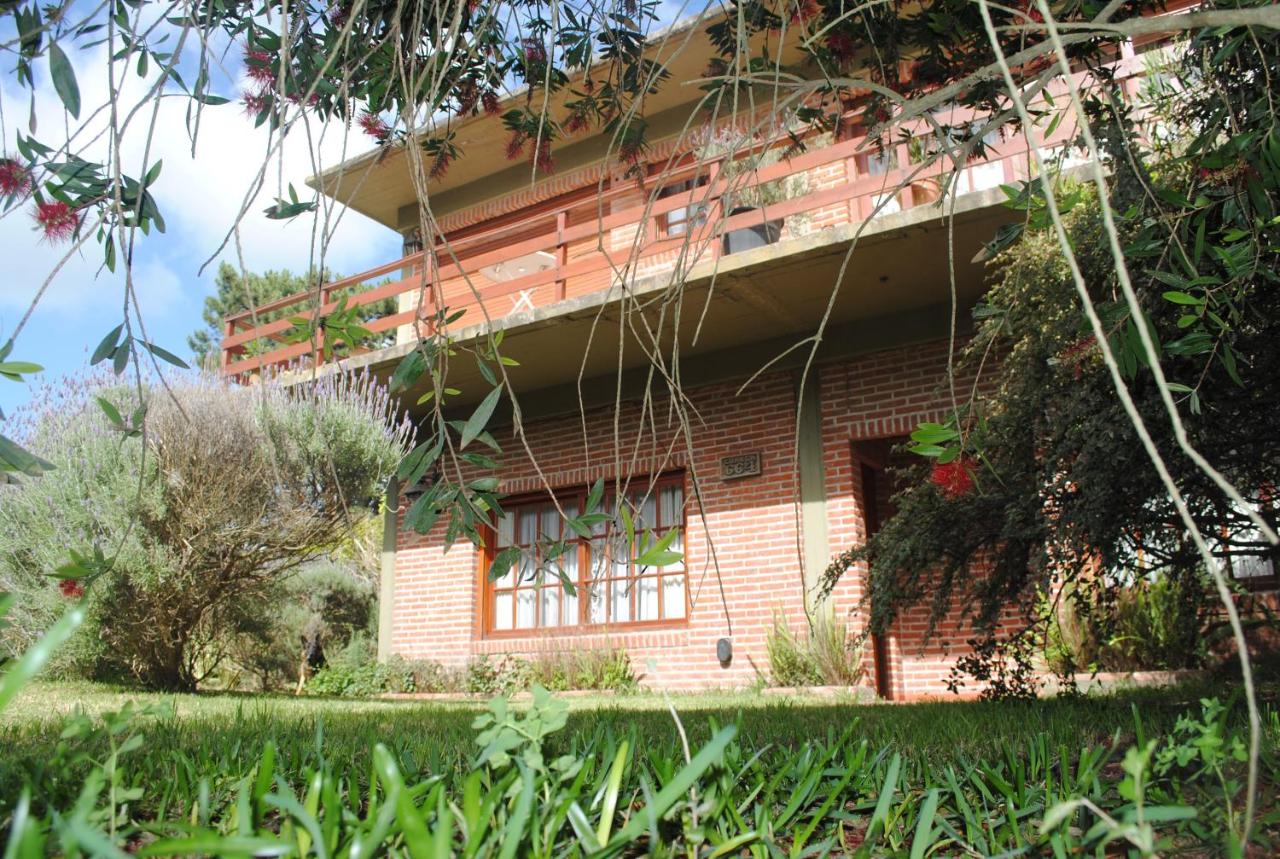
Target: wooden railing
611, 239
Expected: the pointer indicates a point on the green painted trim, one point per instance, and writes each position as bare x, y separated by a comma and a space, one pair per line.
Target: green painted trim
812, 479
387, 574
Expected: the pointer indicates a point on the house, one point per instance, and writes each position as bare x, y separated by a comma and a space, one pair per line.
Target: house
608, 280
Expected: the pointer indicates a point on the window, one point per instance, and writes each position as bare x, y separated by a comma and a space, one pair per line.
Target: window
610, 587
677, 221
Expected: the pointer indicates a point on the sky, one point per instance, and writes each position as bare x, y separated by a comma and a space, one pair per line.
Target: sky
199, 198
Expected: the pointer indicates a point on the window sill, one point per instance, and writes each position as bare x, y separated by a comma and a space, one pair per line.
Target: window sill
650, 633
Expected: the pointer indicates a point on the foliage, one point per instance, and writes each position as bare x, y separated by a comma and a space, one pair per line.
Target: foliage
1017, 492
537, 781
826, 656
327, 607
195, 523
585, 668
1158, 625
356, 675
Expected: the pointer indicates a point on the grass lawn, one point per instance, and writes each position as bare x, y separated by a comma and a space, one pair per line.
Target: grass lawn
802, 774
439, 734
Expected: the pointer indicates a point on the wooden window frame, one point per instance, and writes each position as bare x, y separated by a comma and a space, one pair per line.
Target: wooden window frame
577, 495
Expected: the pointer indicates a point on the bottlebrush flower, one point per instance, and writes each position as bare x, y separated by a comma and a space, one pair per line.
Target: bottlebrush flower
805, 10
255, 102
467, 98
535, 53
440, 164
71, 589
841, 47
15, 178
954, 479
515, 146
375, 126
542, 157
257, 65
576, 122
58, 220
630, 152
489, 100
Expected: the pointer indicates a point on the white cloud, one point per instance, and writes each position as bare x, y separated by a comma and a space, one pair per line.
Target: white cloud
200, 198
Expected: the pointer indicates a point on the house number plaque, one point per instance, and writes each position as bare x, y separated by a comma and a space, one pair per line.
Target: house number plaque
740, 465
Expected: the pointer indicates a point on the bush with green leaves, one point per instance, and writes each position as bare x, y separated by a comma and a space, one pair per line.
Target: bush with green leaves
1163, 624
182, 524
826, 655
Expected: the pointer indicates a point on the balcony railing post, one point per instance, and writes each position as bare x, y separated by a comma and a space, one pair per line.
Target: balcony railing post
228, 328
715, 208
562, 255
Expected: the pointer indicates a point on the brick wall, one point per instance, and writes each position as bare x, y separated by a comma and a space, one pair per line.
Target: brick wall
742, 542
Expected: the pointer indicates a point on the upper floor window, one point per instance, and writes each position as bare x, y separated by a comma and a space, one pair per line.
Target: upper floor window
677, 221
609, 586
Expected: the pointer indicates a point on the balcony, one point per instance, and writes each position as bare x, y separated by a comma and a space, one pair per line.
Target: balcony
873, 220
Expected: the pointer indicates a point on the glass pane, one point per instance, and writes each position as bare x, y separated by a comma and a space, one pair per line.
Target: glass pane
647, 599
599, 560
648, 503
596, 613
551, 602
528, 566
673, 596
502, 614
677, 545
550, 522
506, 529
619, 601
569, 564
525, 606
529, 527
672, 504
508, 578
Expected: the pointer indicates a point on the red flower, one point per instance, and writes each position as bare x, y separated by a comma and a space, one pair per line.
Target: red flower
71, 589
841, 47
954, 479
338, 15
542, 157
630, 152
440, 164
255, 102
257, 65
805, 10
467, 98
535, 53
1029, 9
312, 100
374, 126
15, 178
515, 146
576, 122
489, 99
58, 220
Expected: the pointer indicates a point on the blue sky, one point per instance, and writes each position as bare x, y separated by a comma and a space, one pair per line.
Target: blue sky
199, 197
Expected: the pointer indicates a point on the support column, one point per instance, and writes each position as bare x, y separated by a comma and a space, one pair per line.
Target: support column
387, 574
813, 487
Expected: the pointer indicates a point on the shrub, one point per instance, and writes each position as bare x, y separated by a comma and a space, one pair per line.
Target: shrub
828, 655
201, 519
593, 668
1153, 625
